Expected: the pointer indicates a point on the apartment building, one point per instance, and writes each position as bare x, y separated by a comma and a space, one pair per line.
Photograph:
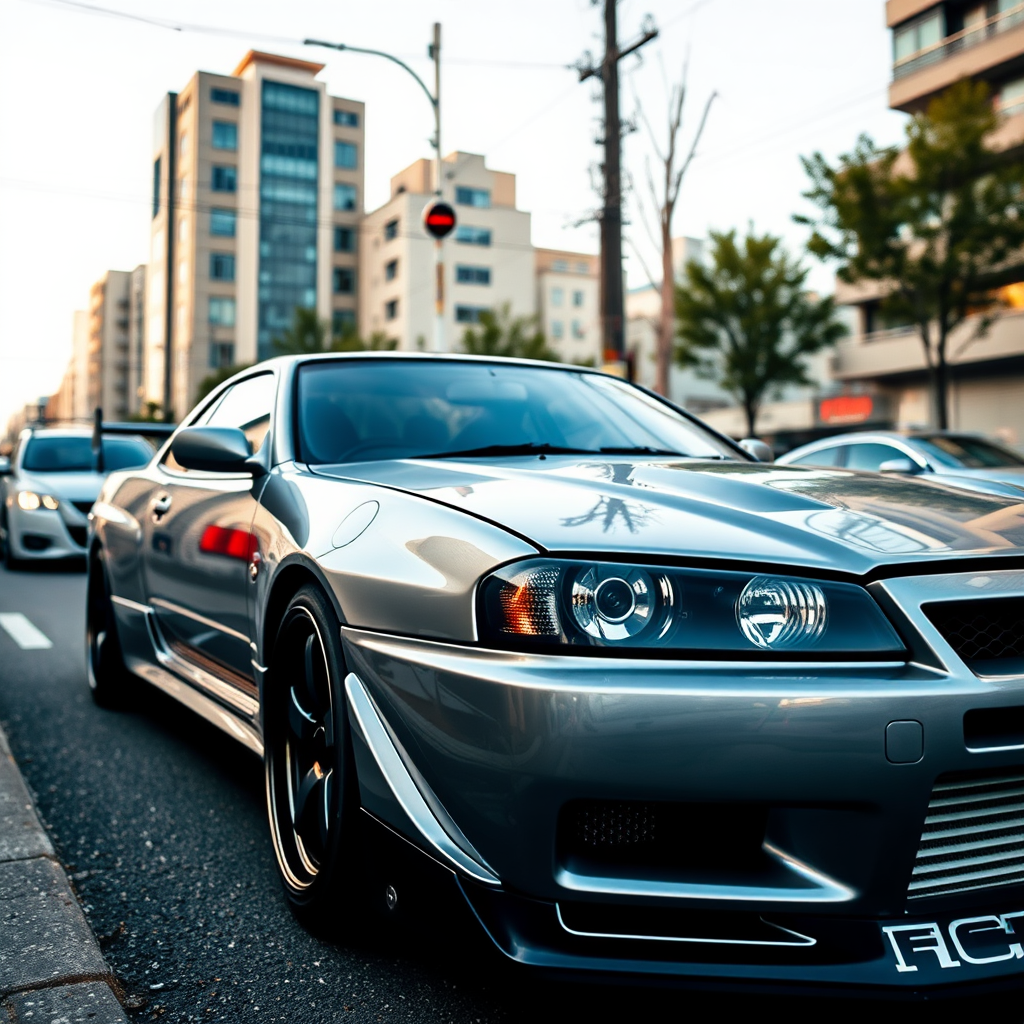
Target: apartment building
488, 260
112, 373
568, 304
935, 45
257, 199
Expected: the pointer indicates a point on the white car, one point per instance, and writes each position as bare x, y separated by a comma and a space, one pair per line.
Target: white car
49, 485
962, 459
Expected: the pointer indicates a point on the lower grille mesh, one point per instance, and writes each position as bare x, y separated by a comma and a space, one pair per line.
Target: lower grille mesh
607, 823
973, 834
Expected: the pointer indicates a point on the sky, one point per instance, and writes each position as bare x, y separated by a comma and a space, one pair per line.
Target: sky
78, 89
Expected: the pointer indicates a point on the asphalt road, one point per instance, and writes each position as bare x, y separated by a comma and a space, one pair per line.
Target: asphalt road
160, 821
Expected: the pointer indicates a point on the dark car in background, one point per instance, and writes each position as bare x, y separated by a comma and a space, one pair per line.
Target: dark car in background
646, 705
968, 460
49, 484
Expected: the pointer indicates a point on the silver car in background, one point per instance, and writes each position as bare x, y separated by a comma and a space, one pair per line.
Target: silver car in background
49, 484
955, 457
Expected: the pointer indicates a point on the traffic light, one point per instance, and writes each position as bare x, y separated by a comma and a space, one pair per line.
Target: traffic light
439, 220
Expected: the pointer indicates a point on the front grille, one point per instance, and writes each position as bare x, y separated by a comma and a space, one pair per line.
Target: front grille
983, 630
606, 823
973, 834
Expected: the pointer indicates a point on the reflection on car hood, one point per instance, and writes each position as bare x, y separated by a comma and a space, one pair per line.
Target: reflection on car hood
793, 515
69, 486
1013, 475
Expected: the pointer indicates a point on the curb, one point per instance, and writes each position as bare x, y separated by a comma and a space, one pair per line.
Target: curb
51, 967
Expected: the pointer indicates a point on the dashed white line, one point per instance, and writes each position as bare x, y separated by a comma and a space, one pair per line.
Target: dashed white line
23, 633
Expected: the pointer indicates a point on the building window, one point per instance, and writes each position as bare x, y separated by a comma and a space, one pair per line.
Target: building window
577, 298
344, 239
343, 322
391, 270
391, 309
344, 280
344, 197
156, 186
391, 230
557, 296
183, 230
1010, 98
346, 118
582, 268
222, 266
469, 314
222, 311
557, 329
226, 96
225, 179
183, 190
560, 266
479, 197
222, 353
183, 145
577, 330
222, 222
468, 235
918, 35
225, 135
473, 275
345, 156
182, 271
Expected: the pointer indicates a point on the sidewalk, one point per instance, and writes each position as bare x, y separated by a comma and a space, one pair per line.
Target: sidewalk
51, 967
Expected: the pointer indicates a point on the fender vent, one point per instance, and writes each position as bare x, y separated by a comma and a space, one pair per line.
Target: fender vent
973, 834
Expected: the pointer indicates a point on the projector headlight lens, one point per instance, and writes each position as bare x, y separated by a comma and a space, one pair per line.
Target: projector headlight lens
555, 605
30, 501
774, 614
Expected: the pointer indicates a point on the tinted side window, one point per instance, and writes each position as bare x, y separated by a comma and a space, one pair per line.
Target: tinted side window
822, 457
871, 456
247, 406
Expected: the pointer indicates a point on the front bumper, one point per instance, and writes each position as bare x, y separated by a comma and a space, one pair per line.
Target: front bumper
500, 744
46, 533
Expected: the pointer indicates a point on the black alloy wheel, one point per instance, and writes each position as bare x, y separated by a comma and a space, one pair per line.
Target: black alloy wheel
103, 659
311, 795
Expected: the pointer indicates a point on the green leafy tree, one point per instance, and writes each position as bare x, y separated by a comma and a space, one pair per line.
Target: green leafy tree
310, 334
499, 333
747, 320
937, 225
351, 342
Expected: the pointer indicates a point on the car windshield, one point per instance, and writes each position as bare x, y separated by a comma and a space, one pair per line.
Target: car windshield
967, 452
74, 454
360, 410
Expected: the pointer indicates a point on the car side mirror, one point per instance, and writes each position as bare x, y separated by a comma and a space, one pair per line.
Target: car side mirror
901, 465
5, 466
756, 447
215, 450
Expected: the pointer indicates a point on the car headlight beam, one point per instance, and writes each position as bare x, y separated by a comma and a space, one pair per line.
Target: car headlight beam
29, 501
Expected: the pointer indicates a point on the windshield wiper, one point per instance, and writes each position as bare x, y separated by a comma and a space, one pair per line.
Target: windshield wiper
501, 450
639, 449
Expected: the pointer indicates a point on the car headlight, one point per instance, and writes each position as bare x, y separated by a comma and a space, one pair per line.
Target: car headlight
550, 604
30, 501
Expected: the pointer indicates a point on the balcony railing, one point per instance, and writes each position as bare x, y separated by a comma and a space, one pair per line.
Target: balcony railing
962, 40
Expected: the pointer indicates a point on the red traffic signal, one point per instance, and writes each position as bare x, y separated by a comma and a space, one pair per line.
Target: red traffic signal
439, 220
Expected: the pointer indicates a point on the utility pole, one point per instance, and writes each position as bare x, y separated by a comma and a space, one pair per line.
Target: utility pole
612, 300
434, 50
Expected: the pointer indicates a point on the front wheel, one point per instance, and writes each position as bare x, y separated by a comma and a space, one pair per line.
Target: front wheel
104, 663
311, 786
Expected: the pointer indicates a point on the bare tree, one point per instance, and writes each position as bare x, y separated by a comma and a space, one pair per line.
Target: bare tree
665, 195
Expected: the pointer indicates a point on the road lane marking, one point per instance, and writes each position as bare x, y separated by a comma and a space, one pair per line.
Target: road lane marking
23, 633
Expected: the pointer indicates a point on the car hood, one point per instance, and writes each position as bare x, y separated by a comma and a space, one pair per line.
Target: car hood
1009, 475
69, 486
800, 516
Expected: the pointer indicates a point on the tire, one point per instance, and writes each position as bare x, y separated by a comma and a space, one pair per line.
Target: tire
312, 795
108, 677
10, 563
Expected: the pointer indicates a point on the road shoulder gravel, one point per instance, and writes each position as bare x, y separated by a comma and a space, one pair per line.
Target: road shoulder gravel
51, 967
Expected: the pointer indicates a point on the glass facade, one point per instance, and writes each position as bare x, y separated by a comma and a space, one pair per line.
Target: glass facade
289, 118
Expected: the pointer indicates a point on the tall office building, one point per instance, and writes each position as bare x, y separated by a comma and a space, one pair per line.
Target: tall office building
257, 197
488, 260
934, 46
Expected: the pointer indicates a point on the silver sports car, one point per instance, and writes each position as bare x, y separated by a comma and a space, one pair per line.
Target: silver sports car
647, 705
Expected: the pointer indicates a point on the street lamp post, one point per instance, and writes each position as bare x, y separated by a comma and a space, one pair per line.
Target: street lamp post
434, 50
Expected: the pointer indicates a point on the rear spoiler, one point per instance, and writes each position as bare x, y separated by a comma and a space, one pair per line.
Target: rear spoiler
161, 431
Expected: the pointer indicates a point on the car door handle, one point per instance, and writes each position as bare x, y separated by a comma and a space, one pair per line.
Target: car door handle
161, 506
